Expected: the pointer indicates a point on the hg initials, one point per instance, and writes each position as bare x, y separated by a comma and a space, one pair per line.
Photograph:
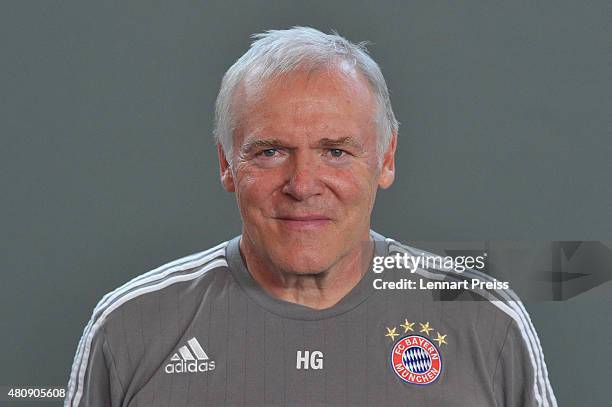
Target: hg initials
309, 360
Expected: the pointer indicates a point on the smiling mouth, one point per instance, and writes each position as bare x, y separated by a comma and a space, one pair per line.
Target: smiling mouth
304, 222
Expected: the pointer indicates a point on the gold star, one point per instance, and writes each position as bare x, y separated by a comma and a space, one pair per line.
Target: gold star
407, 325
425, 327
391, 333
440, 339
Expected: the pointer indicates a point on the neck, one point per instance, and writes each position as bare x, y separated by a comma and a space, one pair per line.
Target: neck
318, 290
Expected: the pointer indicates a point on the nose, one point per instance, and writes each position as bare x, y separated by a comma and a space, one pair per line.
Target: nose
304, 179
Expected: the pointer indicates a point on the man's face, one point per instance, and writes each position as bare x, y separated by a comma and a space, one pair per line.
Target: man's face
305, 168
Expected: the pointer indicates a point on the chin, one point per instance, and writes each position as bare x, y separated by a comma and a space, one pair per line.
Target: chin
304, 262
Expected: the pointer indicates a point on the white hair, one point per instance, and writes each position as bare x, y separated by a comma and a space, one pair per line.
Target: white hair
276, 52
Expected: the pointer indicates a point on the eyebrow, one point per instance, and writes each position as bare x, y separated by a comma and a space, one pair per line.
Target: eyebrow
325, 142
339, 142
266, 143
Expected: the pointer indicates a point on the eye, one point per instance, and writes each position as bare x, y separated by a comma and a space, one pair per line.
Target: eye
336, 152
269, 152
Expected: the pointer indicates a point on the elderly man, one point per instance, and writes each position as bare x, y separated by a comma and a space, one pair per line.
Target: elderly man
288, 312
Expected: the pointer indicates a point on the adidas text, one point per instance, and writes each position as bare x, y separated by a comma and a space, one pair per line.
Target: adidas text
190, 367
190, 358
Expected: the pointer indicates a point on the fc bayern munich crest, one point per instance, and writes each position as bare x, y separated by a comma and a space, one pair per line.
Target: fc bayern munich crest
415, 359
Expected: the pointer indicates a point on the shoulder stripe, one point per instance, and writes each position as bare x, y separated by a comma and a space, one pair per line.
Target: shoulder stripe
516, 304
190, 262
524, 322
196, 258
182, 264
514, 315
165, 283
514, 301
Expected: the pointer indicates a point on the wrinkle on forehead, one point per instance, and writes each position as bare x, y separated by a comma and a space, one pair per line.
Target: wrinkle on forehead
342, 74
341, 78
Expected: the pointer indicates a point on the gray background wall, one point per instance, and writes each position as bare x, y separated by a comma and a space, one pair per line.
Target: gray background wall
108, 166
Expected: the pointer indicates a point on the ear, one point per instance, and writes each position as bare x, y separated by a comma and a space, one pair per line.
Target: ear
227, 180
387, 171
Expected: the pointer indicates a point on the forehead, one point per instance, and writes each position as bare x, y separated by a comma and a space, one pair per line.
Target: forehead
337, 99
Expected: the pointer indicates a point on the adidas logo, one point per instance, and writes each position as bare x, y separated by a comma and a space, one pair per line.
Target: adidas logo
190, 358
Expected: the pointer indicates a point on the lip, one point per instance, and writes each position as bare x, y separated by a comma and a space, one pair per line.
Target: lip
304, 221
